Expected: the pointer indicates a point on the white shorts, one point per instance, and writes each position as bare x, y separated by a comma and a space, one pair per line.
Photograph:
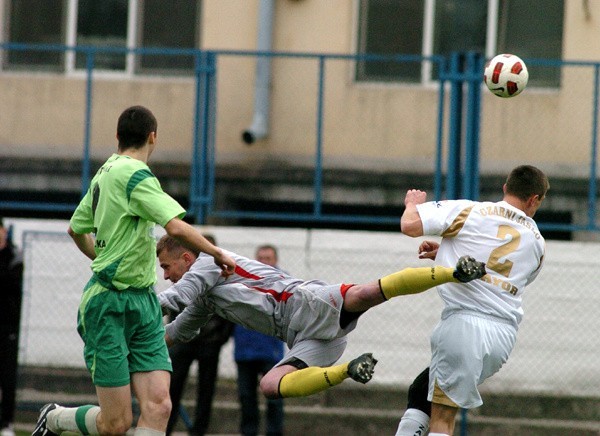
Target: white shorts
466, 349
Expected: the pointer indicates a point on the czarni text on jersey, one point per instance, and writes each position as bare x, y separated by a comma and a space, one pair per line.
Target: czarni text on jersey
511, 215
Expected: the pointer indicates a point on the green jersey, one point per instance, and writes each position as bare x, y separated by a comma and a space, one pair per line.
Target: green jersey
122, 206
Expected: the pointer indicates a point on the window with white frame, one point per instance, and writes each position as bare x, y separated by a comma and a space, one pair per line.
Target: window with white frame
529, 28
113, 24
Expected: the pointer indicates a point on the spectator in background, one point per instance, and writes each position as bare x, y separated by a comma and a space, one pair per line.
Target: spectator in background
255, 355
205, 348
11, 279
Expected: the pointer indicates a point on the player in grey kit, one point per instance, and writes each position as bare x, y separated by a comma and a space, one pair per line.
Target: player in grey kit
312, 317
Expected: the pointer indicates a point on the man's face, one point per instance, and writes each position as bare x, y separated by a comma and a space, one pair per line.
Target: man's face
175, 265
266, 256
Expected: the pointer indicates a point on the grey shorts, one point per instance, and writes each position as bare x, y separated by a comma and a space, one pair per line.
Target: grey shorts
314, 334
316, 352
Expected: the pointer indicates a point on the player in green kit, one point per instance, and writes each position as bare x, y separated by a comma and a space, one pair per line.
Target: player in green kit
119, 317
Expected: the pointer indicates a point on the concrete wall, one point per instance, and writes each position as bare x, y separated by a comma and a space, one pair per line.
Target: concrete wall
556, 351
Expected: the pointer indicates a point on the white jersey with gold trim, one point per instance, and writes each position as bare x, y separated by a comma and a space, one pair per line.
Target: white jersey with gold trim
498, 234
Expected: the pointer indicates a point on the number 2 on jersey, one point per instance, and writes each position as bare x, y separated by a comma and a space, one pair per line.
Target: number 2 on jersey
504, 250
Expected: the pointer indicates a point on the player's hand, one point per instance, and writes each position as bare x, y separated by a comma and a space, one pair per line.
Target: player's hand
428, 250
415, 196
226, 263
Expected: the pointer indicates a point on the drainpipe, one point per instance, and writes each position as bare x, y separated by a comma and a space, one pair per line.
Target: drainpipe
260, 122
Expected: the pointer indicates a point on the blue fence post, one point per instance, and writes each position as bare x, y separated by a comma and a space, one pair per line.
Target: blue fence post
453, 176
195, 163
318, 184
201, 173
437, 182
473, 76
90, 55
463, 422
211, 121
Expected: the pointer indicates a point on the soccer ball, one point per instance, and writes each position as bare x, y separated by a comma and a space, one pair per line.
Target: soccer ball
506, 75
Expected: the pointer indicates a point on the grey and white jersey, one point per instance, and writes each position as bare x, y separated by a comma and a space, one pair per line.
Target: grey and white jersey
259, 297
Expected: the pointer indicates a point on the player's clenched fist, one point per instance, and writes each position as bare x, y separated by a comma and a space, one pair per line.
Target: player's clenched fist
415, 196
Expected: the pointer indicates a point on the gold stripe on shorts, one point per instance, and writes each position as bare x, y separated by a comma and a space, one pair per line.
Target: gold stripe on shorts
439, 397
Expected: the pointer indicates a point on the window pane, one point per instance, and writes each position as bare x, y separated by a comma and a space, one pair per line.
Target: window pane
460, 25
526, 32
43, 27
390, 27
171, 24
102, 24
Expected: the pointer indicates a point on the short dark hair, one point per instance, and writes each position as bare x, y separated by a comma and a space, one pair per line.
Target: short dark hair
134, 126
267, 247
210, 237
525, 181
170, 244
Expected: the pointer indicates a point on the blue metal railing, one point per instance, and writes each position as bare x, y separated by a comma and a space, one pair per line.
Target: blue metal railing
461, 179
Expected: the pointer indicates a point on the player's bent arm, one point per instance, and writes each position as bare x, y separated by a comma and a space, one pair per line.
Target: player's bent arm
84, 242
176, 298
410, 222
186, 326
190, 237
171, 301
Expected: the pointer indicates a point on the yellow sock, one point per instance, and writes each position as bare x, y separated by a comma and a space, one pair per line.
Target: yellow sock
415, 280
311, 380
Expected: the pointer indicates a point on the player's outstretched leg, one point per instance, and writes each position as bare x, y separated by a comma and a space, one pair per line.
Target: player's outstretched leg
467, 269
362, 368
41, 428
309, 381
415, 280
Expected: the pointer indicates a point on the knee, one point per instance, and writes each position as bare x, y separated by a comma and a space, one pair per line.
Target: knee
117, 425
159, 409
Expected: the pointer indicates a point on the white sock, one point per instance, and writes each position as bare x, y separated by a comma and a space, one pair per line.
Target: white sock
143, 431
438, 434
74, 419
414, 422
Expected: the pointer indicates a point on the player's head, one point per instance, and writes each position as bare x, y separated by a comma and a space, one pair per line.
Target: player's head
136, 126
174, 258
529, 184
267, 254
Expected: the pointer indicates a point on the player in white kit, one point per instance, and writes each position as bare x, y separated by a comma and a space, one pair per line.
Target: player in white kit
479, 324
312, 317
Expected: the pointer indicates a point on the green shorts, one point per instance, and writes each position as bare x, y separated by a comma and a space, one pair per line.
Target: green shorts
122, 333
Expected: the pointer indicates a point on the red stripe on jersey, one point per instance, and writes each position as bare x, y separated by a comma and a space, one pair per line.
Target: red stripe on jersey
283, 296
242, 272
279, 296
344, 288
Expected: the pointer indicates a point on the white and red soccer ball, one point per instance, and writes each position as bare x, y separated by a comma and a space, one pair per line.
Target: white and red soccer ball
506, 75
